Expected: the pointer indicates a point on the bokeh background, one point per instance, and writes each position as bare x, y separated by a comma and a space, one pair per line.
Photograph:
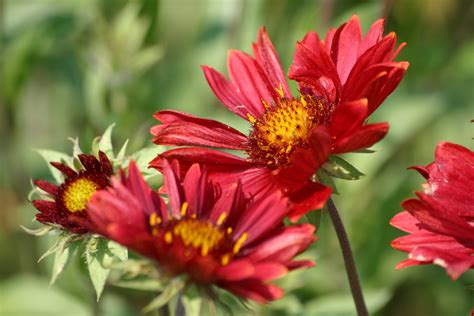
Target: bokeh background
71, 68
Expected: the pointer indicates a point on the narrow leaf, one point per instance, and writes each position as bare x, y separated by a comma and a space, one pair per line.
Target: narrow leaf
105, 142
169, 292
37, 232
63, 257
144, 285
339, 168
54, 156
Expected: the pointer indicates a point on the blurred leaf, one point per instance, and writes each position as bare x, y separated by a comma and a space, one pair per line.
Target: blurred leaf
325, 178
171, 290
55, 156
339, 168
343, 304
68, 246
100, 255
37, 232
192, 305
105, 142
144, 284
41, 300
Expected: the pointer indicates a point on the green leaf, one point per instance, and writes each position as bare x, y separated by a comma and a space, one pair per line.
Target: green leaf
55, 156
100, 255
144, 284
76, 148
192, 305
37, 232
173, 288
325, 178
343, 304
68, 246
105, 142
339, 168
121, 154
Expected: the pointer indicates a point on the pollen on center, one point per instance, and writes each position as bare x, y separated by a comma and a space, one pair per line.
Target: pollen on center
282, 128
77, 193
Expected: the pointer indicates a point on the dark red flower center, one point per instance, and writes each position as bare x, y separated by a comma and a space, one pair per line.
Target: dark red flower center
198, 236
284, 127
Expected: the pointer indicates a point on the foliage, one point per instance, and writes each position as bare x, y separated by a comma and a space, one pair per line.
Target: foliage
74, 67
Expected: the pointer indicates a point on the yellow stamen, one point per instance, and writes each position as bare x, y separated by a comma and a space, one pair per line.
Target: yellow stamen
184, 208
153, 219
239, 243
280, 91
221, 218
225, 259
229, 230
251, 118
168, 238
197, 234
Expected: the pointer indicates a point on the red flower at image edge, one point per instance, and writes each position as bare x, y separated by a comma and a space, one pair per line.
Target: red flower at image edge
213, 236
67, 207
440, 222
342, 80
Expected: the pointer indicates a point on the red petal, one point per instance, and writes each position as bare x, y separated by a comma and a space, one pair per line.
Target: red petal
311, 197
268, 271
173, 185
267, 58
46, 186
258, 220
67, 171
374, 35
311, 62
183, 129
246, 74
347, 117
345, 45
365, 137
236, 270
255, 290
227, 93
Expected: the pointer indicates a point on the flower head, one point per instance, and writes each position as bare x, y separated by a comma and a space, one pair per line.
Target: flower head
342, 80
440, 221
69, 199
213, 237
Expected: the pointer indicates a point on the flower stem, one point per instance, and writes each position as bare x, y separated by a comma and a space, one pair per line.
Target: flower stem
351, 269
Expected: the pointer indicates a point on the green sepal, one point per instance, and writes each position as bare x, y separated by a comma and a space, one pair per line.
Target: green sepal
39, 231
64, 250
55, 156
365, 151
170, 291
192, 304
340, 168
325, 178
152, 285
100, 255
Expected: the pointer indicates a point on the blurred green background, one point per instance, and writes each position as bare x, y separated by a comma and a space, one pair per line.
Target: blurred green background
71, 68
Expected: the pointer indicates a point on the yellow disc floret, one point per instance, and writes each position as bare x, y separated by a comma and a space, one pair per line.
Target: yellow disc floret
200, 235
284, 127
77, 193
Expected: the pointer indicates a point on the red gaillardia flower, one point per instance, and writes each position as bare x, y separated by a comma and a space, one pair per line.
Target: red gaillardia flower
342, 81
440, 222
213, 237
68, 207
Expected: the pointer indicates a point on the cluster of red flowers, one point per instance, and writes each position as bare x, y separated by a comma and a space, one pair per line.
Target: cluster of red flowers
224, 221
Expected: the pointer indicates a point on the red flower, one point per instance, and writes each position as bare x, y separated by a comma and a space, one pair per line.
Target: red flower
440, 222
213, 236
68, 207
342, 80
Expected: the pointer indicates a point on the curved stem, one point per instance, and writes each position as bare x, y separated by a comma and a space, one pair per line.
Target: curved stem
348, 259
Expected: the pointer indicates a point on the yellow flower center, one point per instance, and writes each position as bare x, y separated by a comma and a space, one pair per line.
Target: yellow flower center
199, 235
282, 128
204, 236
78, 193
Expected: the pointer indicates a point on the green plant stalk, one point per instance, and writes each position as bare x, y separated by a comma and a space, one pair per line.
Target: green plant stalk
349, 262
